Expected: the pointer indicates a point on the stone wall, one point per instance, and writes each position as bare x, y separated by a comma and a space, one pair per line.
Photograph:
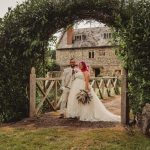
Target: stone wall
104, 58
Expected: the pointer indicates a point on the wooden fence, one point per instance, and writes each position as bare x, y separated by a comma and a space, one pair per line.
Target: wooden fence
48, 90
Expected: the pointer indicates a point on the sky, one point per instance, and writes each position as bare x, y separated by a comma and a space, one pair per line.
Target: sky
4, 4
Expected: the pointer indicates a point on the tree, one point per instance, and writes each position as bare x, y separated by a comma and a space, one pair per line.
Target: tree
24, 36
134, 37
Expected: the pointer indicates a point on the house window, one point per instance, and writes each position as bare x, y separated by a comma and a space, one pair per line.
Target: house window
110, 35
117, 73
107, 35
91, 54
83, 37
77, 38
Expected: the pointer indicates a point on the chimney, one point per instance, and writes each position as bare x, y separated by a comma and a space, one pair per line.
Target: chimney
70, 35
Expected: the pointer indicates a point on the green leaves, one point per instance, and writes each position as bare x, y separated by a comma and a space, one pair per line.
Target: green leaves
135, 52
24, 37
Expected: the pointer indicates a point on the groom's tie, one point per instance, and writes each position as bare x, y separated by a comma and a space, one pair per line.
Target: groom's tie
73, 72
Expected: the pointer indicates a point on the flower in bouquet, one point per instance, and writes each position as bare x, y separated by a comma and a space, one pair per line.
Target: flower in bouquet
84, 97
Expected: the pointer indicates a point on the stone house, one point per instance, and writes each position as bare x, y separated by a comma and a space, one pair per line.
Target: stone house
92, 45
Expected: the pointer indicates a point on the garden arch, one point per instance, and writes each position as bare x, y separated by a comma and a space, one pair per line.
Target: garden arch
27, 29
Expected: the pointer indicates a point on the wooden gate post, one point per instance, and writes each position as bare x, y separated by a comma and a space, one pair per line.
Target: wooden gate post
124, 98
32, 92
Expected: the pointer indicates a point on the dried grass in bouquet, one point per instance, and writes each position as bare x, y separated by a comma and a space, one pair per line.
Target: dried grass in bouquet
84, 97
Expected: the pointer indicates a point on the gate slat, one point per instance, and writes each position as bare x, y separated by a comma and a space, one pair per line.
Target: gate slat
47, 92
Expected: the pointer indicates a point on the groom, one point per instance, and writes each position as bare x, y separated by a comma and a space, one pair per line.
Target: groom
67, 79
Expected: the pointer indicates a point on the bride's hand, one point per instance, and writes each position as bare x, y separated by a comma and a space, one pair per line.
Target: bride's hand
87, 90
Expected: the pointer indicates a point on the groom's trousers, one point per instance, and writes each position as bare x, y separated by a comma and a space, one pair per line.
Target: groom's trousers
64, 100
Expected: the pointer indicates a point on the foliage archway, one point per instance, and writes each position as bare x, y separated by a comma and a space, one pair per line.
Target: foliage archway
24, 35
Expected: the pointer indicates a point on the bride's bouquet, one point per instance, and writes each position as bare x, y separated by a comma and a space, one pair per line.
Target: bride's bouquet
84, 97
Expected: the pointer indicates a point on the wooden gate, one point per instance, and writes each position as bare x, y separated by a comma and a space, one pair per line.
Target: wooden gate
48, 90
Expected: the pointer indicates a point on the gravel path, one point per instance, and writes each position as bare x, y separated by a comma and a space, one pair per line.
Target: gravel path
114, 104
52, 119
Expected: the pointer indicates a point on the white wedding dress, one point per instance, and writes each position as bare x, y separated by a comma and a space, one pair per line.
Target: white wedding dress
94, 111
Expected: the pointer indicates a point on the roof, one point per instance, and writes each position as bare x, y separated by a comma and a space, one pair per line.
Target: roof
87, 38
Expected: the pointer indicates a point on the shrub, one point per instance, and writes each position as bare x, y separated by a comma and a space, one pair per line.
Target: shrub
133, 37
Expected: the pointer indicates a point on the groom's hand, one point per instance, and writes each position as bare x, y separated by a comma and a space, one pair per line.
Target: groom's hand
62, 88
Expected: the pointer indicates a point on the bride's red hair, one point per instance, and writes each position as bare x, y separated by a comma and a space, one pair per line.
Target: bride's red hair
85, 67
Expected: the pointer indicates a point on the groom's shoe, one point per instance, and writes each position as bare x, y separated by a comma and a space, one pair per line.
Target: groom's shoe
62, 116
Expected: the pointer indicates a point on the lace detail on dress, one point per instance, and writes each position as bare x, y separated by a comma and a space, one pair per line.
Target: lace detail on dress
79, 75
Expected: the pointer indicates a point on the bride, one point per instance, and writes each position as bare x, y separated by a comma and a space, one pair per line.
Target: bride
92, 111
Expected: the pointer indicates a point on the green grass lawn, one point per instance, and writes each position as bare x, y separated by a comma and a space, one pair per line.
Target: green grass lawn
71, 139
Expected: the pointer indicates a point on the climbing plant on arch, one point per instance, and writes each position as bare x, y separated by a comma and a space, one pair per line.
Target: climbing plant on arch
24, 35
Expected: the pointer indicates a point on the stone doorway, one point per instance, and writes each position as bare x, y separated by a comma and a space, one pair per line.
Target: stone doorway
97, 72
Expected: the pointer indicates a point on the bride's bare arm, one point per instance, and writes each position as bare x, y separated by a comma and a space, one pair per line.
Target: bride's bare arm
86, 78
